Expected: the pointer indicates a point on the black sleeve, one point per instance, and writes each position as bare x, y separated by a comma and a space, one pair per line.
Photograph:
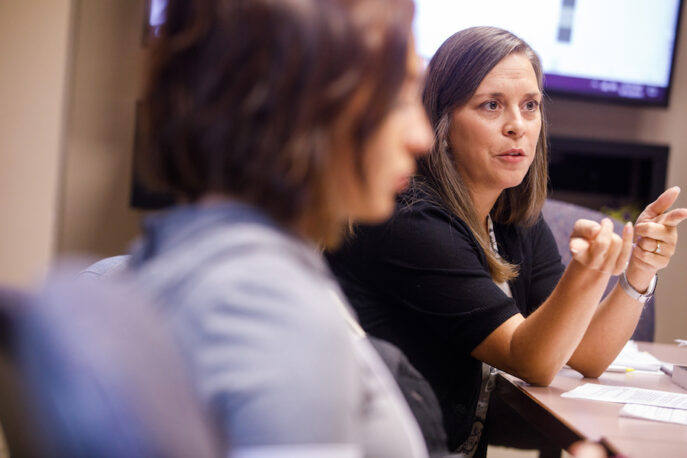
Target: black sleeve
429, 263
547, 267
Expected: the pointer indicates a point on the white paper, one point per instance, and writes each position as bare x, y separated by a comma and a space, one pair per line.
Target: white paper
654, 413
679, 376
628, 395
630, 357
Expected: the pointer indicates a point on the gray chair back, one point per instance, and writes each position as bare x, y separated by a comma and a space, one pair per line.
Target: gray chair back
20, 437
103, 375
107, 267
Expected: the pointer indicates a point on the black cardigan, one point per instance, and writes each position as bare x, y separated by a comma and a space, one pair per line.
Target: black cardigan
421, 282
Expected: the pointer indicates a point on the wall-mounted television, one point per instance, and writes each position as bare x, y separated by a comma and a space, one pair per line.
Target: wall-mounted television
154, 18
604, 49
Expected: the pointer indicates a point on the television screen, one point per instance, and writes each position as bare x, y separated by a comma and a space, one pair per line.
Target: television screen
155, 12
610, 49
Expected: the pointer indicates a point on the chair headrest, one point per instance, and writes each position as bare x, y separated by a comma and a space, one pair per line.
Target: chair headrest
104, 375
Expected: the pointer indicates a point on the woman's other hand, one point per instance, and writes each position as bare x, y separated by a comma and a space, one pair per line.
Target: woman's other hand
597, 247
656, 233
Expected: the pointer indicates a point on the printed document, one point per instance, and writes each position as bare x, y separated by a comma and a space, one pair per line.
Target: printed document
630, 357
654, 413
628, 395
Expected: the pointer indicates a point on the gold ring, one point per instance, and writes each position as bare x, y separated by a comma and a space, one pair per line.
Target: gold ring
658, 247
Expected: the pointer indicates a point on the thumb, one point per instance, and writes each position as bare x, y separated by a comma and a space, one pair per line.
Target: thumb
585, 228
578, 246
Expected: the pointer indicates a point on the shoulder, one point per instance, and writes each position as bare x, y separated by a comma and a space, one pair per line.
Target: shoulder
271, 349
429, 222
275, 279
247, 281
430, 230
253, 310
420, 234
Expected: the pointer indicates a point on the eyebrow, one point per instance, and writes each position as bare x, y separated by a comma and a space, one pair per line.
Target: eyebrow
501, 94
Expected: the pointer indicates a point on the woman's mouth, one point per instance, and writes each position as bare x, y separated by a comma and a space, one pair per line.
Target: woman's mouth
513, 152
512, 155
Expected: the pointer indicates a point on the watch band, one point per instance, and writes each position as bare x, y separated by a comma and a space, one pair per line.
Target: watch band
633, 293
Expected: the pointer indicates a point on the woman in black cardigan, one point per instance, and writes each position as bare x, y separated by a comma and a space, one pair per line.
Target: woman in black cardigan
466, 275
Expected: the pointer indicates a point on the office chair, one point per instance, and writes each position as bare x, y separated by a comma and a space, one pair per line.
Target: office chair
106, 267
98, 375
16, 421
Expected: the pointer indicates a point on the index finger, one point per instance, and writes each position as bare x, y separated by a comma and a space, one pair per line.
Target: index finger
663, 202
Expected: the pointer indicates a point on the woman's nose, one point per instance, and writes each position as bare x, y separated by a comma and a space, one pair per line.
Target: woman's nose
513, 125
419, 136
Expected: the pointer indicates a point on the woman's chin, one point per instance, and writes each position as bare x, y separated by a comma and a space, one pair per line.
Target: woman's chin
513, 185
513, 181
375, 212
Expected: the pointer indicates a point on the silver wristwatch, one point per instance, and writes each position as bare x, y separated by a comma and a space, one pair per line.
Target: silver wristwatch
633, 293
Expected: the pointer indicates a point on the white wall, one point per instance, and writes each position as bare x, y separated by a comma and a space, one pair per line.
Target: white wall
95, 216
35, 48
649, 125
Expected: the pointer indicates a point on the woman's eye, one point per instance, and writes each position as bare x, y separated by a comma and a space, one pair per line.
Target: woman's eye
532, 105
491, 105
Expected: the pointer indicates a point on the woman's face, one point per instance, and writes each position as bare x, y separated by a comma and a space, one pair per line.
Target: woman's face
494, 135
389, 155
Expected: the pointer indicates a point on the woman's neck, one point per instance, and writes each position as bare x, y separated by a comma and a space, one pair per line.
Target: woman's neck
483, 202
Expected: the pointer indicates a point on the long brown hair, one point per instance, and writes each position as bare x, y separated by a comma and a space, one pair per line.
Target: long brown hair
249, 99
453, 75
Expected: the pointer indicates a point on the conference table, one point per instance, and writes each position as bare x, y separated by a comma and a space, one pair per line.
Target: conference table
567, 420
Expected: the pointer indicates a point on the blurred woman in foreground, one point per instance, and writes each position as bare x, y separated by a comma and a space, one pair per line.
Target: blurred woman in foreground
275, 123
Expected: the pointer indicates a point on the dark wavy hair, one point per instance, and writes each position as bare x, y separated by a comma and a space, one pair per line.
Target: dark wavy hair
259, 99
453, 76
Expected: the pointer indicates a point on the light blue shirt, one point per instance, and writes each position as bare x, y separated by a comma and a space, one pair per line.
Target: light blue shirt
257, 313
